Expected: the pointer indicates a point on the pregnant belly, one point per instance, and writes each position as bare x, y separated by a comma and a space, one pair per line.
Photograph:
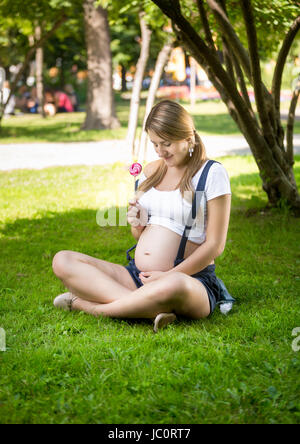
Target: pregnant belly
157, 249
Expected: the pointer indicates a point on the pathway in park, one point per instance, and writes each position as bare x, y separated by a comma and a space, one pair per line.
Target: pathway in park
42, 155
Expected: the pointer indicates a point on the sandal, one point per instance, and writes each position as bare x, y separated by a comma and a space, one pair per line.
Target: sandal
64, 301
162, 320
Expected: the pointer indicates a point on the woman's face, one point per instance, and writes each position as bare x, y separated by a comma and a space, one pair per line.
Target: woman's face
173, 152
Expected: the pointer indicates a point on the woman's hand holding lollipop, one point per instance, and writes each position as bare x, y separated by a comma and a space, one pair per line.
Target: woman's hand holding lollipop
137, 215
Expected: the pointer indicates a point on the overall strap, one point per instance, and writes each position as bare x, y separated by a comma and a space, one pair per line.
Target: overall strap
195, 205
129, 258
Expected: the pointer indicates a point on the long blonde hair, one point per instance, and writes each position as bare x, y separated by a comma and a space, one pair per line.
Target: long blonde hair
172, 122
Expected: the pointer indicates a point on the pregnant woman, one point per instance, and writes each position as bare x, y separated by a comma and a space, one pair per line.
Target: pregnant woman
179, 217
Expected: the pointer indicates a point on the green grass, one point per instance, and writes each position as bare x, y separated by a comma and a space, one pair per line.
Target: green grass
73, 368
211, 118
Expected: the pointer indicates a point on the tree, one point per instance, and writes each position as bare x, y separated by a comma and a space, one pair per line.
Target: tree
100, 103
161, 61
39, 61
24, 16
196, 24
138, 80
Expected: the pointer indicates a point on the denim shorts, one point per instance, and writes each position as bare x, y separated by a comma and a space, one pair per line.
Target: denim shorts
206, 276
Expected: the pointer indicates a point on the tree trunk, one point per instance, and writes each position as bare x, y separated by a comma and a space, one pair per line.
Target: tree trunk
159, 66
137, 83
123, 75
39, 60
264, 133
192, 81
2, 80
100, 98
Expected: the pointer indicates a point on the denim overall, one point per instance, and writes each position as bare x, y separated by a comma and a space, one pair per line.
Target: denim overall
216, 290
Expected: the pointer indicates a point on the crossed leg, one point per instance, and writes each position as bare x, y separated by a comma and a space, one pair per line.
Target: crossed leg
92, 279
107, 289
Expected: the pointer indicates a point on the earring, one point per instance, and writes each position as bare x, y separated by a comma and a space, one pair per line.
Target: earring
191, 150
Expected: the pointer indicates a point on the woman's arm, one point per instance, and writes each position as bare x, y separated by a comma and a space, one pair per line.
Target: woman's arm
218, 210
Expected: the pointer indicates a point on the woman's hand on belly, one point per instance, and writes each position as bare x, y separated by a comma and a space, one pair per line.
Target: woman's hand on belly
150, 276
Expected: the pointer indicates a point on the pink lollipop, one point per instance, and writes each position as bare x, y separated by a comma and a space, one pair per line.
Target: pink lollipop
135, 169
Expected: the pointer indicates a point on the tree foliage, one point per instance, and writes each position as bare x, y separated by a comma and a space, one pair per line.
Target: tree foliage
18, 20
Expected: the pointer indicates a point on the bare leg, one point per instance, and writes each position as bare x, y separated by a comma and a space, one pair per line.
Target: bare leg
175, 293
146, 302
87, 281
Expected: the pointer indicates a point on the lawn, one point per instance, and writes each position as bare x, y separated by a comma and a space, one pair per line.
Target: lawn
73, 368
211, 118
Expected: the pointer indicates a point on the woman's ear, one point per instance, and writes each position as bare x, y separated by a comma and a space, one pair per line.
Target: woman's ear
190, 140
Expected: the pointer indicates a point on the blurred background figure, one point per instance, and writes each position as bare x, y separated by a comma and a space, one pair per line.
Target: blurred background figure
10, 107
49, 105
22, 98
32, 102
72, 96
63, 102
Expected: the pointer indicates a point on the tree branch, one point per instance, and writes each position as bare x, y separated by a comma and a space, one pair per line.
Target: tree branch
231, 36
238, 49
228, 56
242, 84
205, 23
232, 62
265, 118
290, 127
281, 59
255, 67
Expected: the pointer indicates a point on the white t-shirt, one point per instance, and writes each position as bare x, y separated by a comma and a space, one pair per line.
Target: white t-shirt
169, 209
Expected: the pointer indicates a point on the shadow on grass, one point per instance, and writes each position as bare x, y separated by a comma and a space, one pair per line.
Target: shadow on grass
29, 245
31, 238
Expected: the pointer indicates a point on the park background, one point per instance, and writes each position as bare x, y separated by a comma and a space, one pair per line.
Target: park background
69, 368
